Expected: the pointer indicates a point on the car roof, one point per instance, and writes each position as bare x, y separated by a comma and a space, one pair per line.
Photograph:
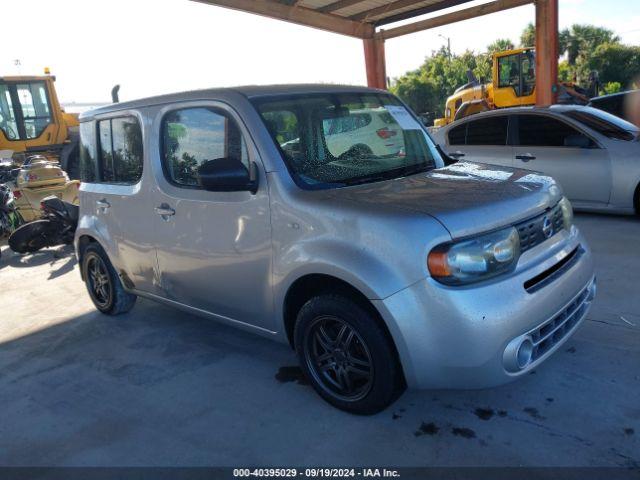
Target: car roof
249, 91
617, 94
553, 109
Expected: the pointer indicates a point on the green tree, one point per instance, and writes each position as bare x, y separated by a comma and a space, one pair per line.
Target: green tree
500, 45
612, 87
581, 43
616, 63
565, 73
528, 36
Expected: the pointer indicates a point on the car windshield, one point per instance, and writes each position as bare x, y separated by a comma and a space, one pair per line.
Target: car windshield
604, 123
340, 139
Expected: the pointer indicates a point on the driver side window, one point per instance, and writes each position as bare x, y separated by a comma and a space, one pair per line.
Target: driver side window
192, 137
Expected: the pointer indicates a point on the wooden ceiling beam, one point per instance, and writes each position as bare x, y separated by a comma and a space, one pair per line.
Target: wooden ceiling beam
339, 5
390, 7
453, 17
298, 14
414, 12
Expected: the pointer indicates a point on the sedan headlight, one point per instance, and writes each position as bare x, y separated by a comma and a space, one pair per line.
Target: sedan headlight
475, 259
567, 213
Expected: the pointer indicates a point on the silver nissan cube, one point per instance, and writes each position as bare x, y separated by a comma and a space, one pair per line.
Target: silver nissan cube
326, 217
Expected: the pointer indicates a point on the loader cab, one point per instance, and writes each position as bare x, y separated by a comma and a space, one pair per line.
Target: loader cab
514, 78
31, 119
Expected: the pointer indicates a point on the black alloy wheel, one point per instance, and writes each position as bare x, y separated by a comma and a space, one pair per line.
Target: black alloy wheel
99, 281
339, 358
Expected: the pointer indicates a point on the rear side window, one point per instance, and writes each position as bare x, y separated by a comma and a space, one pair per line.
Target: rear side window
488, 131
88, 152
120, 150
603, 125
194, 136
457, 135
613, 104
544, 131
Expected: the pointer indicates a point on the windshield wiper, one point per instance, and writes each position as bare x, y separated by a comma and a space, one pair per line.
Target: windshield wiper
389, 174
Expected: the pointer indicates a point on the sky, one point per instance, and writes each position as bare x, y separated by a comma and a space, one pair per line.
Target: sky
151, 47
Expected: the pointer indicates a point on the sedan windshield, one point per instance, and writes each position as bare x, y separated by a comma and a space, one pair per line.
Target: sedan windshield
336, 140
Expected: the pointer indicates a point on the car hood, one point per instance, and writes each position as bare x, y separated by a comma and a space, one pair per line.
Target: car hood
467, 198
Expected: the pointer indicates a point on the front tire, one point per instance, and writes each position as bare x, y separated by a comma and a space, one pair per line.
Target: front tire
348, 357
103, 284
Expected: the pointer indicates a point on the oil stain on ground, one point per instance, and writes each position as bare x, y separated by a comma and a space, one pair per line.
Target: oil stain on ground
502, 413
629, 431
533, 413
484, 413
427, 429
463, 432
291, 374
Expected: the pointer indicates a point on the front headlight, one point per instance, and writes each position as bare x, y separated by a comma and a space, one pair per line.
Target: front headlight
567, 213
476, 259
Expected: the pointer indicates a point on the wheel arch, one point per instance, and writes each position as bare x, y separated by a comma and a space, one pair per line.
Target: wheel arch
310, 285
82, 242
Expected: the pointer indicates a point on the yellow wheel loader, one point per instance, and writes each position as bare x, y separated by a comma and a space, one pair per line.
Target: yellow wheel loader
513, 85
33, 122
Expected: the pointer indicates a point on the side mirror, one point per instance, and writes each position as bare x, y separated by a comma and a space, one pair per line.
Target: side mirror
227, 175
577, 141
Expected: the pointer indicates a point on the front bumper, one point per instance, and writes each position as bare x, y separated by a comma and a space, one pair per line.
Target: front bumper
467, 337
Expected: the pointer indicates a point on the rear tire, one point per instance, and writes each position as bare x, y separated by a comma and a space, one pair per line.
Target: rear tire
347, 356
103, 284
32, 237
636, 200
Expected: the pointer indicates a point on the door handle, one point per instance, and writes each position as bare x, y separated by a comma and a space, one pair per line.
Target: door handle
526, 157
102, 204
165, 210
456, 154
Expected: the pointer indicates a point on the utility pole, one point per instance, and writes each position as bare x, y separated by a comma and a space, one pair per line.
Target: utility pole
448, 39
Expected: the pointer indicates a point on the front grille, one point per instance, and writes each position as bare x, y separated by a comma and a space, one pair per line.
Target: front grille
531, 231
545, 336
536, 283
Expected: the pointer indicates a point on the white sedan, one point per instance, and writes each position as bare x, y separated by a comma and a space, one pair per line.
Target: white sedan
594, 155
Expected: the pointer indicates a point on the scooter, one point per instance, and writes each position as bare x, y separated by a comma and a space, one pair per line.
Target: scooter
57, 226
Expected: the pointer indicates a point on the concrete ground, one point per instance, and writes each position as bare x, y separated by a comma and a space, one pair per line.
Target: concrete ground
158, 387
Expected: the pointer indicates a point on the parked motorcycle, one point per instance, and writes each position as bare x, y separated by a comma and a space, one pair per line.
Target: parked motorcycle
8, 171
57, 226
10, 218
38, 178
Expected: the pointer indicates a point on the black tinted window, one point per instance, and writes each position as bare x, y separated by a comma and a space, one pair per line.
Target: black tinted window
120, 152
544, 131
193, 136
488, 131
88, 152
613, 104
604, 124
105, 151
457, 135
